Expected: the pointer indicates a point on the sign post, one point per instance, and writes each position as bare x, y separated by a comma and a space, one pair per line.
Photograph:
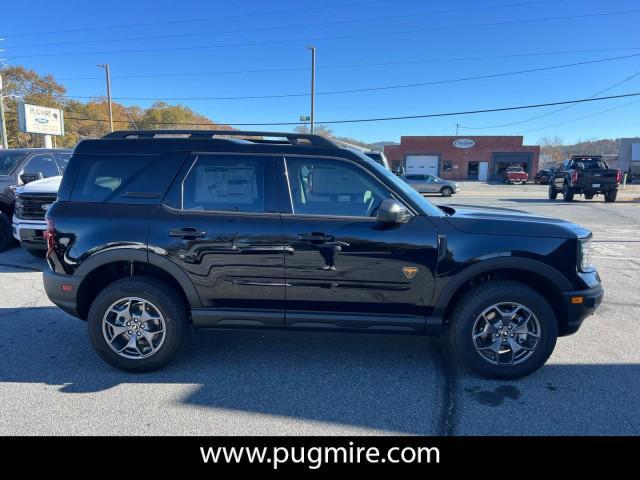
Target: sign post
3, 126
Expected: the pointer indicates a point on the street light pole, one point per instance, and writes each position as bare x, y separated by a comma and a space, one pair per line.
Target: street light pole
106, 70
313, 87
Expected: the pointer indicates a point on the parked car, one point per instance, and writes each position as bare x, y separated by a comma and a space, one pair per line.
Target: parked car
32, 202
587, 175
543, 177
431, 184
19, 166
515, 175
152, 236
380, 158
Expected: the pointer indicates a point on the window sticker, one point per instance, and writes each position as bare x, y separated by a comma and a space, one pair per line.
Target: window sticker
226, 184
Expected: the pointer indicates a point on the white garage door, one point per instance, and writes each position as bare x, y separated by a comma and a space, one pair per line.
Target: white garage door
422, 164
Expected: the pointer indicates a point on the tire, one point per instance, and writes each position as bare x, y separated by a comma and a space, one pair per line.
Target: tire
482, 297
446, 191
163, 300
37, 253
611, 196
589, 196
6, 232
553, 193
567, 193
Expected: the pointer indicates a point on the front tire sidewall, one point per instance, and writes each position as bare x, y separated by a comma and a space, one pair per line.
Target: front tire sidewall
472, 305
170, 305
446, 192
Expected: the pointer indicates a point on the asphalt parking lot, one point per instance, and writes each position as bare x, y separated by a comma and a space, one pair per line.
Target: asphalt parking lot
258, 383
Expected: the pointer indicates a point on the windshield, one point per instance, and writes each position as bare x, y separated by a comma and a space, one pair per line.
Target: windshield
8, 161
403, 187
63, 161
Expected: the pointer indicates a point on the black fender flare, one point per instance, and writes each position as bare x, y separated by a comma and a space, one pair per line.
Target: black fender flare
142, 256
493, 264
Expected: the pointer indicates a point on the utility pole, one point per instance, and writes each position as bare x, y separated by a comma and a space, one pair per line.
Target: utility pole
106, 70
3, 125
313, 87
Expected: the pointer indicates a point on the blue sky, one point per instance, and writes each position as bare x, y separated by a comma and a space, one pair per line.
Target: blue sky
360, 44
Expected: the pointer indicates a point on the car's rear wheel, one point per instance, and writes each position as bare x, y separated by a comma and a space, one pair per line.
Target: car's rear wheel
611, 196
553, 193
138, 324
503, 329
6, 232
37, 253
446, 191
567, 193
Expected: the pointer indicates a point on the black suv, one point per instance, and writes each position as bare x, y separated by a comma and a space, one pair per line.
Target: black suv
155, 232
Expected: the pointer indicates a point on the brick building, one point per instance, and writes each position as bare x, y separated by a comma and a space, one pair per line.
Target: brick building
463, 158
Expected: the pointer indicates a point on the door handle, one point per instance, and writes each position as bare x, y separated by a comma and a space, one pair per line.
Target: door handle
187, 232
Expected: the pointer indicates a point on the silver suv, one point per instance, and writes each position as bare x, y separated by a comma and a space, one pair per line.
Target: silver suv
431, 184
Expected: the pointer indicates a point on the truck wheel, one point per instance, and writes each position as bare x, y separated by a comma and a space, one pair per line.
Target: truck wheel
6, 232
553, 193
503, 329
446, 191
37, 253
567, 193
611, 196
138, 324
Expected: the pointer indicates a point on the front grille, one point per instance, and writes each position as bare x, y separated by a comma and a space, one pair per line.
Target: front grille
29, 206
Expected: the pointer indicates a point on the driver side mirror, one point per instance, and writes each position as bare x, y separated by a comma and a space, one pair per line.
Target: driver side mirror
392, 212
31, 177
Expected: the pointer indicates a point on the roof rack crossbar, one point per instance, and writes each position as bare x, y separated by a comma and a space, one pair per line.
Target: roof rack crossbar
293, 138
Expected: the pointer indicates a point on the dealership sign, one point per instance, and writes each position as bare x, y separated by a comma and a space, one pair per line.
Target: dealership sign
463, 143
35, 119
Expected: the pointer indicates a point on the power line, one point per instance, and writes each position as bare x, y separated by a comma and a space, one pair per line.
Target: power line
198, 19
383, 119
289, 26
579, 118
358, 65
370, 89
611, 87
318, 39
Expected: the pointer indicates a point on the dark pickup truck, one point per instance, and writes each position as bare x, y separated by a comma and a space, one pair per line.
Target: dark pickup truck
587, 175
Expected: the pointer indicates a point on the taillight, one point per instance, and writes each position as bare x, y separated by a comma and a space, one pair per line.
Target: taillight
574, 176
618, 176
49, 235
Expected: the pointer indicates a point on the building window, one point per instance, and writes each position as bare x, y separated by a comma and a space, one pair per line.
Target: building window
447, 166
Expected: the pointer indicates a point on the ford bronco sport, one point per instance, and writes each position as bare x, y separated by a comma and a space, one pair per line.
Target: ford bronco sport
156, 232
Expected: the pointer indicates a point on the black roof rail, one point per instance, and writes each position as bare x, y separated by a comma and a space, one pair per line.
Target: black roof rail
293, 138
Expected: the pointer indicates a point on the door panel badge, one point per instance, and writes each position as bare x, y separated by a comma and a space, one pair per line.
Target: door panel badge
410, 272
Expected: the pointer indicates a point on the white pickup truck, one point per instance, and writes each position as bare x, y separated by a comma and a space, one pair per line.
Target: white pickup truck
32, 202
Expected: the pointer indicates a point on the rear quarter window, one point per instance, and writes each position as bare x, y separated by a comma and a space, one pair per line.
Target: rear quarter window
112, 178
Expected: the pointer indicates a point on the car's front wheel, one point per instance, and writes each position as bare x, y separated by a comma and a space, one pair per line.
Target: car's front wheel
503, 329
553, 193
446, 191
138, 324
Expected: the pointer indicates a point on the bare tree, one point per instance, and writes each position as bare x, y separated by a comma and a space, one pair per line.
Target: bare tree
551, 151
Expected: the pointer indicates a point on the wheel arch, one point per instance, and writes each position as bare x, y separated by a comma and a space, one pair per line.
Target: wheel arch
541, 277
104, 268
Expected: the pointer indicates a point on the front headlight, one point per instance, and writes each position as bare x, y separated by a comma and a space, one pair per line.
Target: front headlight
585, 254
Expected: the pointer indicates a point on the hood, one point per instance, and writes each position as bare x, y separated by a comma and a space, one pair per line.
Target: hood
504, 221
46, 185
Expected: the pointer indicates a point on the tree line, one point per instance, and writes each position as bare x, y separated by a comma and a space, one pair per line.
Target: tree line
86, 119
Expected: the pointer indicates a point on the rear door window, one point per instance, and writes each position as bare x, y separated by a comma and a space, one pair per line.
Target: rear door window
226, 184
